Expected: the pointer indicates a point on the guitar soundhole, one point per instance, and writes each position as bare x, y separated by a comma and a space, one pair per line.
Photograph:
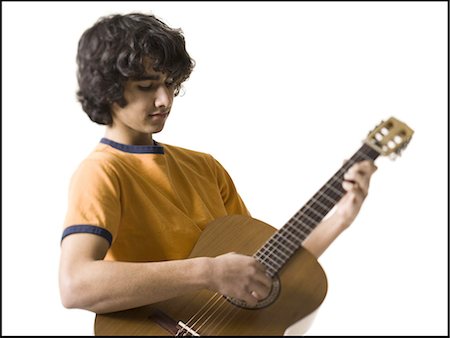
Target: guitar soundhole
274, 292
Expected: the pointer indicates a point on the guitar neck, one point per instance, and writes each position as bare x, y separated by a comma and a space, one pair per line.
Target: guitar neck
283, 243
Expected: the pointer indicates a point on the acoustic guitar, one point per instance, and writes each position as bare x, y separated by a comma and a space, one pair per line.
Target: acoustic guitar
299, 283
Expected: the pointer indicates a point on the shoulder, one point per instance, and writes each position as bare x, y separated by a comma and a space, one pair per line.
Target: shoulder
184, 152
99, 163
186, 155
192, 158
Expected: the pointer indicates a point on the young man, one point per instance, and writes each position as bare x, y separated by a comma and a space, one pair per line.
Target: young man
137, 207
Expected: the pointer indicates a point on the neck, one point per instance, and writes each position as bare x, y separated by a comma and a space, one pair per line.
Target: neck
131, 138
283, 243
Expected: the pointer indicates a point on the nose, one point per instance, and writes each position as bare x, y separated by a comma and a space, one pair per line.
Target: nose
163, 97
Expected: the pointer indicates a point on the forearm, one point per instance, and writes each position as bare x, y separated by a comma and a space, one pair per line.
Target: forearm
323, 235
104, 286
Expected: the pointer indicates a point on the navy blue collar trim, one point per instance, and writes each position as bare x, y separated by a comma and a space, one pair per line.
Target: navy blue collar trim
154, 149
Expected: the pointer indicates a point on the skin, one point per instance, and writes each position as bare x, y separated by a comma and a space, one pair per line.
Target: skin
88, 282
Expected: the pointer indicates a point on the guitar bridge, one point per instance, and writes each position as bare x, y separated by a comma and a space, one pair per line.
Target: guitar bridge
186, 330
171, 326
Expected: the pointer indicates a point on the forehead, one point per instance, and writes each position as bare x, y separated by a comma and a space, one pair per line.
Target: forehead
149, 72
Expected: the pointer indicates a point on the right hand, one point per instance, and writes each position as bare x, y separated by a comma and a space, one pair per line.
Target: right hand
240, 276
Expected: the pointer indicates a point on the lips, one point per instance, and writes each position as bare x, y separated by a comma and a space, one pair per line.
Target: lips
160, 114
157, 117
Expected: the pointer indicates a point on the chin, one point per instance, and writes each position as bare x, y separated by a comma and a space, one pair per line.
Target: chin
156, 130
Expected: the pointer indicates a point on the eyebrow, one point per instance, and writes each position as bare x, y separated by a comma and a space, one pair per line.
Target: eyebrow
147, 77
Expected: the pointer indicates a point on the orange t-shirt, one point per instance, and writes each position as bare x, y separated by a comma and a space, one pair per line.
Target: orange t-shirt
150, 202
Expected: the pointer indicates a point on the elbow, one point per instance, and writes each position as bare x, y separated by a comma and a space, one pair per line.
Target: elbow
75, 294
69, 294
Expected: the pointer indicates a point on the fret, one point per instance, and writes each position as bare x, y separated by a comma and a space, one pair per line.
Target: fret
287, 240
308, 217
293, 245
300, 226
313, 207
274, 249
287, 244
295, 230
323, 197
320, 203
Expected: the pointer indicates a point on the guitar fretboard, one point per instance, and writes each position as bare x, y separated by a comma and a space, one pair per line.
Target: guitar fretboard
288, 239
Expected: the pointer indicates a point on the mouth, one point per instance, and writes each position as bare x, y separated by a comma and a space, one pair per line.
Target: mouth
162, 114
159, 115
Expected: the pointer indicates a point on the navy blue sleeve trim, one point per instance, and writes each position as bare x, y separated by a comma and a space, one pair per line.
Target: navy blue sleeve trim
87, 229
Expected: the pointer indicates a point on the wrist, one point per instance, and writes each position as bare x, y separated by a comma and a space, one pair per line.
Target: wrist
206, 272
339, 222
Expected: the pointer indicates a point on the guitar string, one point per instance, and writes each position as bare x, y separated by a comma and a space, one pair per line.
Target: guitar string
268, 258
202, 314
190, 321
212, 314
211, 306
279, 243
231, 312
284, 237
219, 318
289, 249
233, 308
267, 251
210, 320
335, 179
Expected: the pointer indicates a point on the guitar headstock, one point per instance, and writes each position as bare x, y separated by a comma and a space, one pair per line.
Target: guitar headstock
390, 137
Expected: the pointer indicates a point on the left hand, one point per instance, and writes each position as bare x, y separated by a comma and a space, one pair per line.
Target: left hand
356, 183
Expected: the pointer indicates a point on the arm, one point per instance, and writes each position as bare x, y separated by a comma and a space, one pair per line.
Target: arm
356, 183
89, 282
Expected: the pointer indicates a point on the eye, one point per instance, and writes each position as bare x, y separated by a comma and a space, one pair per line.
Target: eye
170, 83
146, 87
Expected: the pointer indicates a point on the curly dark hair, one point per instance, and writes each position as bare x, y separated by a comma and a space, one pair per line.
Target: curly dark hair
113, 50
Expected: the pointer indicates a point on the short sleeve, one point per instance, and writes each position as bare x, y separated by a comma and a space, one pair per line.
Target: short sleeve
230, 196
94, 200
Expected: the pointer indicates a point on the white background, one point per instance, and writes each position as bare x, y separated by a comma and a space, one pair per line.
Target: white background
282, 93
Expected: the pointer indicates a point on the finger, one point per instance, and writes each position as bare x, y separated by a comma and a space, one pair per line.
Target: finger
260, 291
351, 186
355, 189
351, 203
365, 167
356, 182
347, 185
249, 298
263, 278
261, 267
256, 295
360, 173
260, 296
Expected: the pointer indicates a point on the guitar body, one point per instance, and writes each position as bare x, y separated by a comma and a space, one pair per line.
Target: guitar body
301, 289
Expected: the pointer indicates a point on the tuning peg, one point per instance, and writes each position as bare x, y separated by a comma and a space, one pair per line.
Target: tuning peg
393, 156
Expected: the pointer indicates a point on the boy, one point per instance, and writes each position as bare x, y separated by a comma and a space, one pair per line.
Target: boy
137, 207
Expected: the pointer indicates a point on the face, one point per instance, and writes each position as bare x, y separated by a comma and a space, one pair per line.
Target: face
149, 100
